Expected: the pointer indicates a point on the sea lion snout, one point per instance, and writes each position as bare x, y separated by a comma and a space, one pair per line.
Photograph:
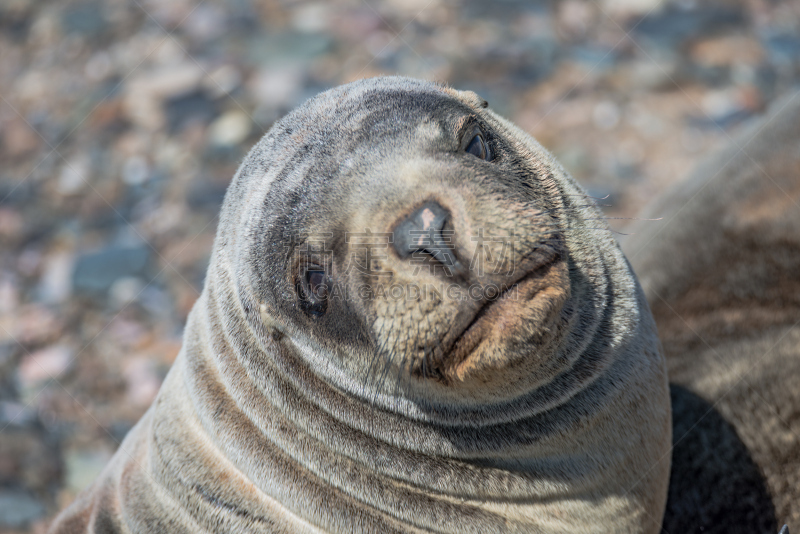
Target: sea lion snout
423, 231
476, 278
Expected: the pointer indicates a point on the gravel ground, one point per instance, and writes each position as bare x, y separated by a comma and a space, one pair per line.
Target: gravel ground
122, 122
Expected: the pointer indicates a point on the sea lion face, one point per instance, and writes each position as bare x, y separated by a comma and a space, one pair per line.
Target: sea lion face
411, 246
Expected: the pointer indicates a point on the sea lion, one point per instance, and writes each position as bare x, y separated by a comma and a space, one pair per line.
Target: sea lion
414, 320
721, 270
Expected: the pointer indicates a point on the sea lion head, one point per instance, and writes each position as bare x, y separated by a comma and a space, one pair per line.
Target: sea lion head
395, 244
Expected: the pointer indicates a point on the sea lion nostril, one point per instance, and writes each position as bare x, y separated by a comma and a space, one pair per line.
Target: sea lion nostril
424, 231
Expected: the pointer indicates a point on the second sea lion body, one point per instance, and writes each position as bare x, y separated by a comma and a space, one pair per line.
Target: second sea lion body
721, 270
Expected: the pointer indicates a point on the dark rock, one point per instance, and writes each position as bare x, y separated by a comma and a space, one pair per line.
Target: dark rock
783, 48
15, 413
7, 383
287, 48
724, 121
184, 109
84, 19
712, 76
119, 429
594, 57
672, 26
15, 22
206, 195
95, 272
30, 468
507, 10
18, 509
16, 193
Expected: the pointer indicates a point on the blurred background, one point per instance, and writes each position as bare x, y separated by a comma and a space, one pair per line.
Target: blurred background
123, 121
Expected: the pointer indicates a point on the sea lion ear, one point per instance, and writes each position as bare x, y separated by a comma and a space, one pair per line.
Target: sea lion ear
474, 99
470, 98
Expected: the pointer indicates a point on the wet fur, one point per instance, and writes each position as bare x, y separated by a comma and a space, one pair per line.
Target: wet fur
722, 274
551, 414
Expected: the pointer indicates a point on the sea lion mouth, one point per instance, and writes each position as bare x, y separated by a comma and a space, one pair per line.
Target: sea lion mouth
508, 311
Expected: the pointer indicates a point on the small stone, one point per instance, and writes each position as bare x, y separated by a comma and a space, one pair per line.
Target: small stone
45, 30
142, 381
18, 138
221, 81
205, 22
29, 261
168, 14
575, 16
83, 467
9, 294
135, 171
75, 175
18, 509
724, 108
98, 67
311, 18
647, 74
625, 8
124, 291
230, 129
34, 324
11, 224
127, 333
728, 50
145, 93
717, 103
164, 218
55, 285
277, 87
167, 82
606, 115
43, 365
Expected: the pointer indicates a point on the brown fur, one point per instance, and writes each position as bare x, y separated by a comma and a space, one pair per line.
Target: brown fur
722, 274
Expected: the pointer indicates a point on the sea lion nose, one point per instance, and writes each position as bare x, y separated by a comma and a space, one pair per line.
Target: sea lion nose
424, 231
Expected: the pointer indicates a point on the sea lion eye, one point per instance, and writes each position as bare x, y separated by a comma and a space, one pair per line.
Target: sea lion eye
316, 283
313, 289
478, 148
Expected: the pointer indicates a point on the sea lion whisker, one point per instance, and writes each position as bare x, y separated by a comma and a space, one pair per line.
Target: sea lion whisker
623, 219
